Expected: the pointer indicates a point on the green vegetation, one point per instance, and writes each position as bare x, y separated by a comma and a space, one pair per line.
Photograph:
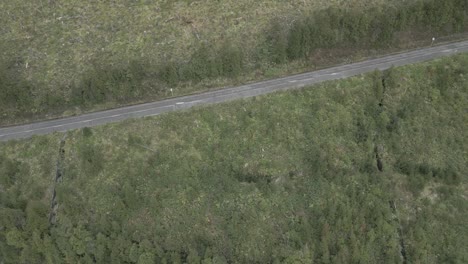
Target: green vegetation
291, 177
64, 56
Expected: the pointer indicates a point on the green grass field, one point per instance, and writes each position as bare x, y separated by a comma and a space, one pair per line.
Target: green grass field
63, 57
290, 177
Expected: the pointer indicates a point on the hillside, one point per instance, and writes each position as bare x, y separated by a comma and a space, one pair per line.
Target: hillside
371, 169
64, 57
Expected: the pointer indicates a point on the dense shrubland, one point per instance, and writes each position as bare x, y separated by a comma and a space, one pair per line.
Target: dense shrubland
110, 75
289, 177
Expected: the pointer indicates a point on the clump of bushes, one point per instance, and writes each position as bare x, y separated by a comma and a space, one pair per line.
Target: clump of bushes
420, 174
340, 27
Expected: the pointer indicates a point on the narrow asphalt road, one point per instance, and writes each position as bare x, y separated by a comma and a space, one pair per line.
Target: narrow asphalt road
227, 94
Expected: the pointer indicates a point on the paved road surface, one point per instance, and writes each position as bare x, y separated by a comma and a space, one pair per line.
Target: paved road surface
223, 95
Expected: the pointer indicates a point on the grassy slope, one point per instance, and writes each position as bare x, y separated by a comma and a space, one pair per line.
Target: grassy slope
58, 39
54, 43
284, 176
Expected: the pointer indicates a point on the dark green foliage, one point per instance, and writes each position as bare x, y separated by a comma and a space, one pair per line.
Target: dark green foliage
92, 89
389, 80
91, 157
36, 216
207, 62
231, 60
203, 64
448, 76
118, 83
15, 91
420, 174
252, 178
362, 131
169, 73
9, 171
23, 215
447, 15
285, 178
295, 48
383, 28
87, 132
279, 43
378, 85
134, 140
337, 27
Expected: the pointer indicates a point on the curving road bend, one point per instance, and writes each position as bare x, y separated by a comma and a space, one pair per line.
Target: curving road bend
228, 94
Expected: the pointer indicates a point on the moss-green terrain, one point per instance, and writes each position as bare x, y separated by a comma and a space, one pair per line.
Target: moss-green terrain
64, 57
371, 169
